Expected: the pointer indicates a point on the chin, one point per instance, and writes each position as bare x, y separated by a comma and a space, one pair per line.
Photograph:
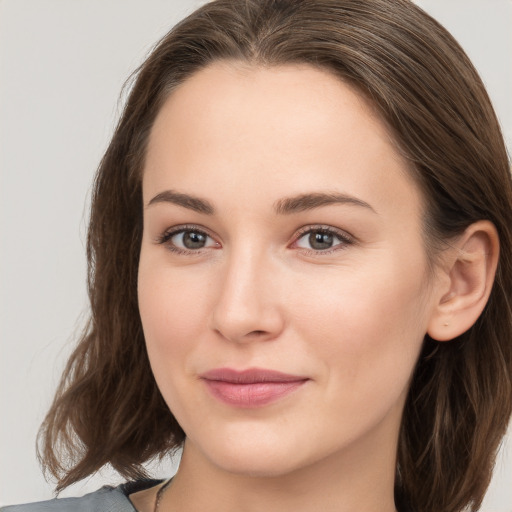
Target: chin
258, 466
264, 459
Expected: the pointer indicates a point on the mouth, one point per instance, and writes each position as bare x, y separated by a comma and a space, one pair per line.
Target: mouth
254, 387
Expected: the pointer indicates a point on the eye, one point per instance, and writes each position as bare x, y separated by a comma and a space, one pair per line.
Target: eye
185, 240
323, 239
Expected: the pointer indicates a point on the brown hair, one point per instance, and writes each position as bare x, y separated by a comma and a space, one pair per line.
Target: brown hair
108, 408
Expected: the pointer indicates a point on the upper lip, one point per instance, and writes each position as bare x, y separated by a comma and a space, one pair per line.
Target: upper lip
249, 376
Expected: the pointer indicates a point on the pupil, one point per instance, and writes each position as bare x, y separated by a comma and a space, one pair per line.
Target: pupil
320, 241
193, 240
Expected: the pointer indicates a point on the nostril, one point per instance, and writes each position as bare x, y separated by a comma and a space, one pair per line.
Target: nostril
257, 333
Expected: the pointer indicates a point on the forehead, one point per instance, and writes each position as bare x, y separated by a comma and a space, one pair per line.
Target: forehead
293, 127
287, 99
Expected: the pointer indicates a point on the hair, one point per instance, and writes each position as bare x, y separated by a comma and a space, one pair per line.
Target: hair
108, 409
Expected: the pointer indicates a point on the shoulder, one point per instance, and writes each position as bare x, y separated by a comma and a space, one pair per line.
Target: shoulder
111, 499
106, 499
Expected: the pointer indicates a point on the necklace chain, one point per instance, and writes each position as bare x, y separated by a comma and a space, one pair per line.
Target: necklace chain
160, 494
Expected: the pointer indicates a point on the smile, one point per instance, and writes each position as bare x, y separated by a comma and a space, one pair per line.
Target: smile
250, 388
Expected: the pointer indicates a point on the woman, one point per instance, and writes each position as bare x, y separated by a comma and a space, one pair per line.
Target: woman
300, 244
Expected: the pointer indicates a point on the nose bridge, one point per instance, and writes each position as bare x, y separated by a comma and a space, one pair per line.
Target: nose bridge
247, 305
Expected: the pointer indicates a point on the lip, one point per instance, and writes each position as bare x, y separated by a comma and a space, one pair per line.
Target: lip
254, 387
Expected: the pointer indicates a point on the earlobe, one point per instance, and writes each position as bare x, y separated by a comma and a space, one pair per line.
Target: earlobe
469, 275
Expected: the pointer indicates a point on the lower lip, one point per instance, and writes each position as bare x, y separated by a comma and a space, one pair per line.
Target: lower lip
251, 395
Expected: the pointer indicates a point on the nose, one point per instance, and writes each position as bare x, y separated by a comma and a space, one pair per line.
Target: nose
247, 306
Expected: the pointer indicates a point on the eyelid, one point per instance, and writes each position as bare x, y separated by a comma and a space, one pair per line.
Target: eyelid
165, 237
345, 238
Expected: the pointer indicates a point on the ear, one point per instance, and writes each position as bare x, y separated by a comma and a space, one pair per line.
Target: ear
466, 281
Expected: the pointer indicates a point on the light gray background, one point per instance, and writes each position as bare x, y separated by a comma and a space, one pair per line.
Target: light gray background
62, 66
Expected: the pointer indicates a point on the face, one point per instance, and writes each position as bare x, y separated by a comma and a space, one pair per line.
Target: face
283, 281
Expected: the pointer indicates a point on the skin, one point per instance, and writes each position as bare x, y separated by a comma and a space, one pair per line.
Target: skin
350, 318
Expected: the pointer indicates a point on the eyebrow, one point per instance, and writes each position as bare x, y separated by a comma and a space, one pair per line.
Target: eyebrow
305, 202
187, 201
286, 206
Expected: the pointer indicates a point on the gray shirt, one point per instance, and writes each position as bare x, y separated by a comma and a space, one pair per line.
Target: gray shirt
106, 499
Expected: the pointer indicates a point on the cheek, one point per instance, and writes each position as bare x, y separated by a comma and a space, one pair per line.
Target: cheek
362, 308
172, 309
366, 327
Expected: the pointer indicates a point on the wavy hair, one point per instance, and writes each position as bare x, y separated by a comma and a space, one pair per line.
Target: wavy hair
108, 409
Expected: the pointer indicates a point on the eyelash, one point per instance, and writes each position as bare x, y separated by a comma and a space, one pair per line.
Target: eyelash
165, 238
344, 238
